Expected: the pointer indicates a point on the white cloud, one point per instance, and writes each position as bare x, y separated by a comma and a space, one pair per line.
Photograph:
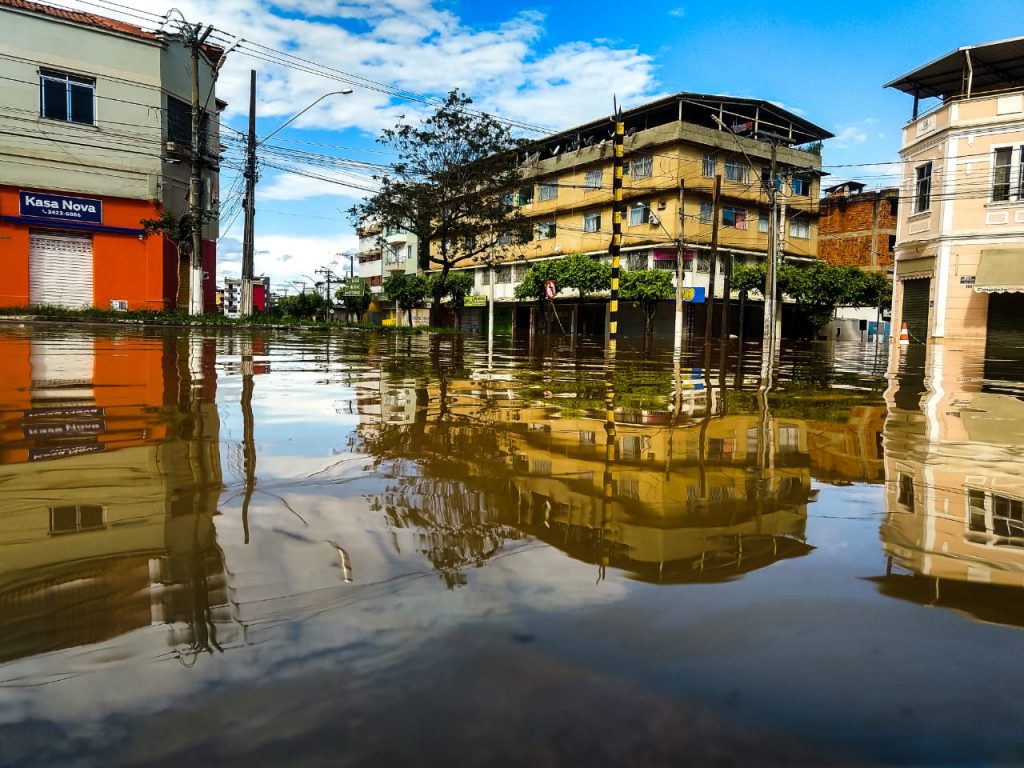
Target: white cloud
678, 12
852, 134
289, 257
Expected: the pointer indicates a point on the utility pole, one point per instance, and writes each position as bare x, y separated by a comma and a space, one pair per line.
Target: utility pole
770, 282
248, 241
677, 348
196, 39
716, 197
616, 244
330, 301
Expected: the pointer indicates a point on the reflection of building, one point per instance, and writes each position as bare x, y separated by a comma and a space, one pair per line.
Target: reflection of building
959, 261
108, 489
954, 526
95, 136
702, 499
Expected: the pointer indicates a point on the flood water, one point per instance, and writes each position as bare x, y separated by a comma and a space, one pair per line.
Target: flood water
362, 549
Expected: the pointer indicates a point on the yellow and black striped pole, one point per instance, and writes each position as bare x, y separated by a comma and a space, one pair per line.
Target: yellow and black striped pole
616, 244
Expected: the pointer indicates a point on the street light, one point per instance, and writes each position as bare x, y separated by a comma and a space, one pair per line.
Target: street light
248, 238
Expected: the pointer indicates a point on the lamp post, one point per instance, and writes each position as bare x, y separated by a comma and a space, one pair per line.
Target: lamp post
248, 238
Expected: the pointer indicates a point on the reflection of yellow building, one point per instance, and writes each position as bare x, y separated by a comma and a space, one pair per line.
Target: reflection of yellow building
107, 490
954, 488
701, 498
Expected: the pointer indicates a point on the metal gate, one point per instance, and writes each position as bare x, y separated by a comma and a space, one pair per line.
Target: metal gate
1004, 344
916, 294
60, 269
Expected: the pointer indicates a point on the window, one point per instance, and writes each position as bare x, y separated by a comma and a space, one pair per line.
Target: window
179, 123
76, 517
587, 439
526, 195
519, 272
669, 265
703, 261
641, 167
798, 228
1001, 173
592, 221
801, 186
707, 212
545, 230
892, 244
789, 439
634, 446
485, 276
762, 223
503, 275
1007, 516
709, 166
67, 97
734, 217
508, 200
976, 510
905, 491
594, 179
923, 188
506, 238
547, 192
636, 261
639, 213
736, 170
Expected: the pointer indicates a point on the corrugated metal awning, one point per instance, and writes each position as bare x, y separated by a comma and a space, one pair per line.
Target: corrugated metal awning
908, 269
1000, 271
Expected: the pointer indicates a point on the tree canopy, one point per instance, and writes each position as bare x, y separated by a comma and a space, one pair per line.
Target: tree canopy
819, 289
452, 185
575, 271
304, 306
408, 291
648, 287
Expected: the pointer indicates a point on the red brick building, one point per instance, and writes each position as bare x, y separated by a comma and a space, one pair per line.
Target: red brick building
858, 228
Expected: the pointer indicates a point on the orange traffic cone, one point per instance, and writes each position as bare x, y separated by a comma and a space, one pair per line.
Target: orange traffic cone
904, 335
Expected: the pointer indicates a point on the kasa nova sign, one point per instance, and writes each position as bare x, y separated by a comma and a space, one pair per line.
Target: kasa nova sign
42, 205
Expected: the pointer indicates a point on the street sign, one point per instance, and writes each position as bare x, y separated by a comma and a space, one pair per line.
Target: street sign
550, 290
40, 205
474, 301
353, 286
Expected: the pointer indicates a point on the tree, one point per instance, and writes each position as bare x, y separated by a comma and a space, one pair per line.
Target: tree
456, 287
582, 273
176, 229
532, 286
819, 289
303, 306
408, 290
452, 185
358, 303
647, 287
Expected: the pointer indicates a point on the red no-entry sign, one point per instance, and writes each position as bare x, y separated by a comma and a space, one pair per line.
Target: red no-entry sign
549, 289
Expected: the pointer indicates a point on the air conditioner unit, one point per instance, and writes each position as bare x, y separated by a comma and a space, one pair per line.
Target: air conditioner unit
119, 305
654, 220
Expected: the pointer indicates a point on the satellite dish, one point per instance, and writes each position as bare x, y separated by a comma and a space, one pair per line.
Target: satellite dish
631, 131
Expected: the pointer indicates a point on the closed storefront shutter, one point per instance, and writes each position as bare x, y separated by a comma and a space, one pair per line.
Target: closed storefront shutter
915, 309
1004, 345
60, 269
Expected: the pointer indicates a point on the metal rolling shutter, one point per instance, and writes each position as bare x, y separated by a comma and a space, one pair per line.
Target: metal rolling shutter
1004, 344
915, 309
60, 269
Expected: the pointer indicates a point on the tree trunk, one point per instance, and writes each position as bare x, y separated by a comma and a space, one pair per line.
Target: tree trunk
408, 316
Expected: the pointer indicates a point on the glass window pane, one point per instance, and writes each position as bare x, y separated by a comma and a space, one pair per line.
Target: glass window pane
82, 104
55, 99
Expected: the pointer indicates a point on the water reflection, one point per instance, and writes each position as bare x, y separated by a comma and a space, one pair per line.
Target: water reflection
954, 526
109, 480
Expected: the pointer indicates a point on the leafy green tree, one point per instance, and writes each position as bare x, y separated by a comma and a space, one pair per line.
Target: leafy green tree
408, 291
819, 289
302, 306
450, 185
455, 287
648, 287
356, 304
582, 273
532, 286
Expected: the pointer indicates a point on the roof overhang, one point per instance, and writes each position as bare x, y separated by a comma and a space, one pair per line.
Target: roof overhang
969, 70
1000, 271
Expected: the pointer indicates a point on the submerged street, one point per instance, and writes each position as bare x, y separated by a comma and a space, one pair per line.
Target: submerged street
355, 548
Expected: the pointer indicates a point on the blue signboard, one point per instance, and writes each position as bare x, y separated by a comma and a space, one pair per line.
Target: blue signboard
693, 295
42, 205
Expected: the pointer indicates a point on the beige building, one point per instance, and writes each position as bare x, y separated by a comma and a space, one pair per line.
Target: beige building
960, 233
690, 138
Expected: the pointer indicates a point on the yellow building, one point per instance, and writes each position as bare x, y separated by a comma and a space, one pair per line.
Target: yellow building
686, 139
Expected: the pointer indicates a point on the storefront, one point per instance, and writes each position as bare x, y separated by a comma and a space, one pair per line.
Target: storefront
87, 251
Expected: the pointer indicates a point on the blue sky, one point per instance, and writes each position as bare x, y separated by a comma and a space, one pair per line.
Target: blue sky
557, 64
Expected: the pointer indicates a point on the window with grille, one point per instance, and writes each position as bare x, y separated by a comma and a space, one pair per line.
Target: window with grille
593, 179
639, 213
503, 275
641, 167
736, 170
67, 97
545, 230
636, 261
709, 166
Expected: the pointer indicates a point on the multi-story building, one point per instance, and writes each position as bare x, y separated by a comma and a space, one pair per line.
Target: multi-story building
382, 252
233, 295
690, 138
858, 228
95, 137
960, 237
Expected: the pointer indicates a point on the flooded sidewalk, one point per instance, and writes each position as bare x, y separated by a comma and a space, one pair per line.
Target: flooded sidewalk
294, 548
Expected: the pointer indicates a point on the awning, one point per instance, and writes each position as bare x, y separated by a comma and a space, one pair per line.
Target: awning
908, 269
1000, 271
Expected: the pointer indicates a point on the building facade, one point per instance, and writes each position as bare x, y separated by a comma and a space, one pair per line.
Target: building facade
95, 137
566, 193
960, 235
857, 228
233, 295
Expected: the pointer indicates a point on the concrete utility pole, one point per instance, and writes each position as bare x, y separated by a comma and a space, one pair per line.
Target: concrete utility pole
616, 245
196, 39
326, 272
771, 279
678, 345
716, 197
248, 241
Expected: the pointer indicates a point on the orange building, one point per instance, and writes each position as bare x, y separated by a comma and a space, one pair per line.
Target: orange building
95, 137
858, 228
